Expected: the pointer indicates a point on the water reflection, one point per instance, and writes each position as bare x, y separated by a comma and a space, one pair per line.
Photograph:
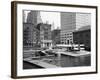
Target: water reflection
60, 60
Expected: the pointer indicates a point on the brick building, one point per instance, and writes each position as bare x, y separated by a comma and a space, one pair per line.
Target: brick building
45, 35
30, 31
83, 36
56, 36
71, 21
30, 35
67, 37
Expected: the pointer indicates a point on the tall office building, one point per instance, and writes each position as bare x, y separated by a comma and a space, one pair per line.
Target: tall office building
30, 31
68, 21
68, 24
24, 20
34, 17
83, 19
71, 21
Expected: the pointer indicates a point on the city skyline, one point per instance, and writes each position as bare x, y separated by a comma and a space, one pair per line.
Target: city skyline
54, 18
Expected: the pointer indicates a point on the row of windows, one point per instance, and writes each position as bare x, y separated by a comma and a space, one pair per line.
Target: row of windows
66, 40
66, 34
67, 37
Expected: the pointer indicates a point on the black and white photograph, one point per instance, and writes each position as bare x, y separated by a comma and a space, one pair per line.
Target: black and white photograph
53, 39
56, 39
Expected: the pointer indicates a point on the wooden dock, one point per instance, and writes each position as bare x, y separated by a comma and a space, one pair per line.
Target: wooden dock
41, 63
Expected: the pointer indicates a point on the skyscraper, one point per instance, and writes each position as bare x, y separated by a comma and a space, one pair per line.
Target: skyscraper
71, 21
34, 17
68, 24
24, 21
30, 31
83, 19
68, 21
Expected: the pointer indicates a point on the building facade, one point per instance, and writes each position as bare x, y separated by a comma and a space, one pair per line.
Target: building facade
34, 17
83, 36
30, 35
56, 36
67, 37
82, 19
68, 24
45, 35
68, 21
30, 31
71, 21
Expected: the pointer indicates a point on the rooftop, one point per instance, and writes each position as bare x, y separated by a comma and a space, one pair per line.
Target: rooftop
84, 28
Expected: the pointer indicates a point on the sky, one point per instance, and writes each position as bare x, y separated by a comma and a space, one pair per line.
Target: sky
51, 17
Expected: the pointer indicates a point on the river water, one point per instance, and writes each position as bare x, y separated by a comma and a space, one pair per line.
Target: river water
65, 61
